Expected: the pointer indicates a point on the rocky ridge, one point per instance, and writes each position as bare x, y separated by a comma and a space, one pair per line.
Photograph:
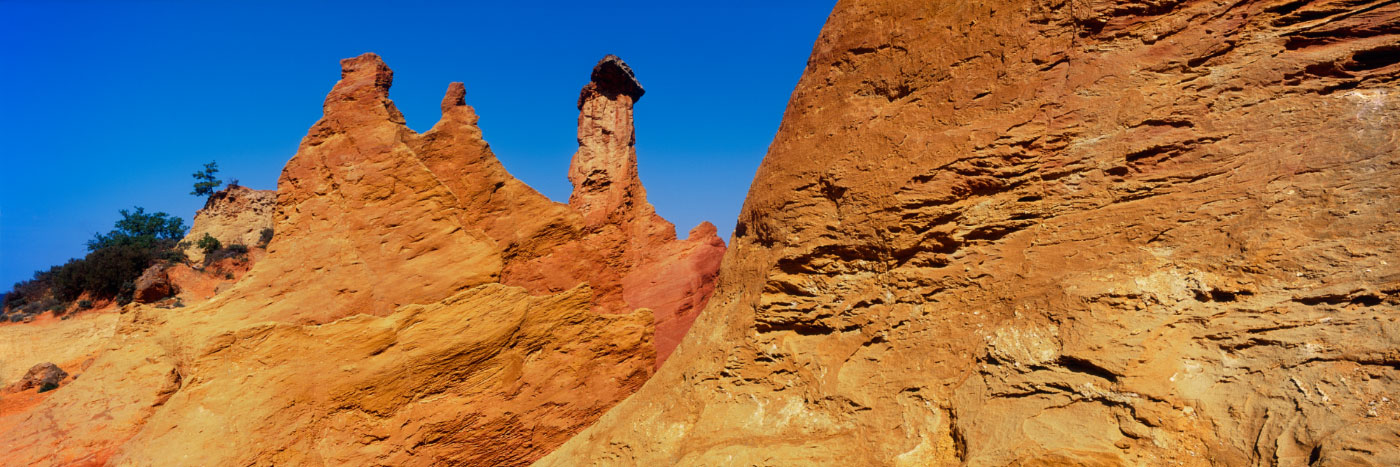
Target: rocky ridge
417, 305
1063, 233
469, 222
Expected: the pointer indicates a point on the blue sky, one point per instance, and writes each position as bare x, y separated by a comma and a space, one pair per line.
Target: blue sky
111, 105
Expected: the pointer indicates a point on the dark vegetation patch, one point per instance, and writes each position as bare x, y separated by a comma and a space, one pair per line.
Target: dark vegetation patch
109, 270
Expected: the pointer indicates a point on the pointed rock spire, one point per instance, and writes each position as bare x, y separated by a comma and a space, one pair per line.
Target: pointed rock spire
367, 66
604, 170
456, 96
455, 110
363, 91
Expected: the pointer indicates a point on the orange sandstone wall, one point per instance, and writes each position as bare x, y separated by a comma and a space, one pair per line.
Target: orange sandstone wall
1064, 232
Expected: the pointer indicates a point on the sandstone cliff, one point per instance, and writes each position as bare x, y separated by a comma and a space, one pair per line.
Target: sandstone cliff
397, 217
234, 215
417, 305
1070, 233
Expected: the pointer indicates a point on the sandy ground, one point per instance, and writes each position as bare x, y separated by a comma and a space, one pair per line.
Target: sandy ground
66, 343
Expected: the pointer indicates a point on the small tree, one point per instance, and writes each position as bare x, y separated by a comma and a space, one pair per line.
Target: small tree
208, 243
205, 183
138, 227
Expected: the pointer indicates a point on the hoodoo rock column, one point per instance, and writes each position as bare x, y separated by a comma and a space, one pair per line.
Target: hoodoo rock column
604, 171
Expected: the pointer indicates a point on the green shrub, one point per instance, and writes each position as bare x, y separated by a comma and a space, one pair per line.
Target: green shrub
126, 293
48, 386
84, 304
237, 251
137, 227
265, 237
208, 244
32, 295
175, 255
108, 272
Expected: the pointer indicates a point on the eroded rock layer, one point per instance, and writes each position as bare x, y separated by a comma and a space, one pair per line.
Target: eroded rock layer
416, 306
1068, 233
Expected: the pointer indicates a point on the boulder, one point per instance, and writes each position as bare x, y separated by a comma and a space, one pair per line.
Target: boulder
154, 285
44, 376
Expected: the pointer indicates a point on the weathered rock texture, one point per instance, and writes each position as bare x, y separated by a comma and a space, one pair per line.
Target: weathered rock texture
489, 376
154, 284
44, 376
234, 215
1069, 233
401, 217
61, 341
417, 306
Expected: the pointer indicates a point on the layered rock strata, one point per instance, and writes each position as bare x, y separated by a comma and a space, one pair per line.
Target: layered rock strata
1057, 233
417, 305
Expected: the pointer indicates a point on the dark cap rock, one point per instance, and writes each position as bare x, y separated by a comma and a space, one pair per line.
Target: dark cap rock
611, 78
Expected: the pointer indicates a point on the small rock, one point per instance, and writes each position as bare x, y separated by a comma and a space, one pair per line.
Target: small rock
154, 285
45, 376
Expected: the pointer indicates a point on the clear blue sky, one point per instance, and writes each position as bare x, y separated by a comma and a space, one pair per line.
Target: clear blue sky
110, 105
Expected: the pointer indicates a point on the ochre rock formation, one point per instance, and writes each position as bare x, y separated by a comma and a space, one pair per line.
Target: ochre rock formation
236, 215
44, 377
489, 376
647, 267
154, 284
1057, 233
417, 306
400, 217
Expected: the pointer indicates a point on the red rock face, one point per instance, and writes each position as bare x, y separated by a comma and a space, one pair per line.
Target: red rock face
1057, 233
620, 246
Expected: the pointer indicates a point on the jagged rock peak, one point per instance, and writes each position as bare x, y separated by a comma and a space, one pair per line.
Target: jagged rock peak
394, 251
362, 95
456, 96
611, 78
367, 65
